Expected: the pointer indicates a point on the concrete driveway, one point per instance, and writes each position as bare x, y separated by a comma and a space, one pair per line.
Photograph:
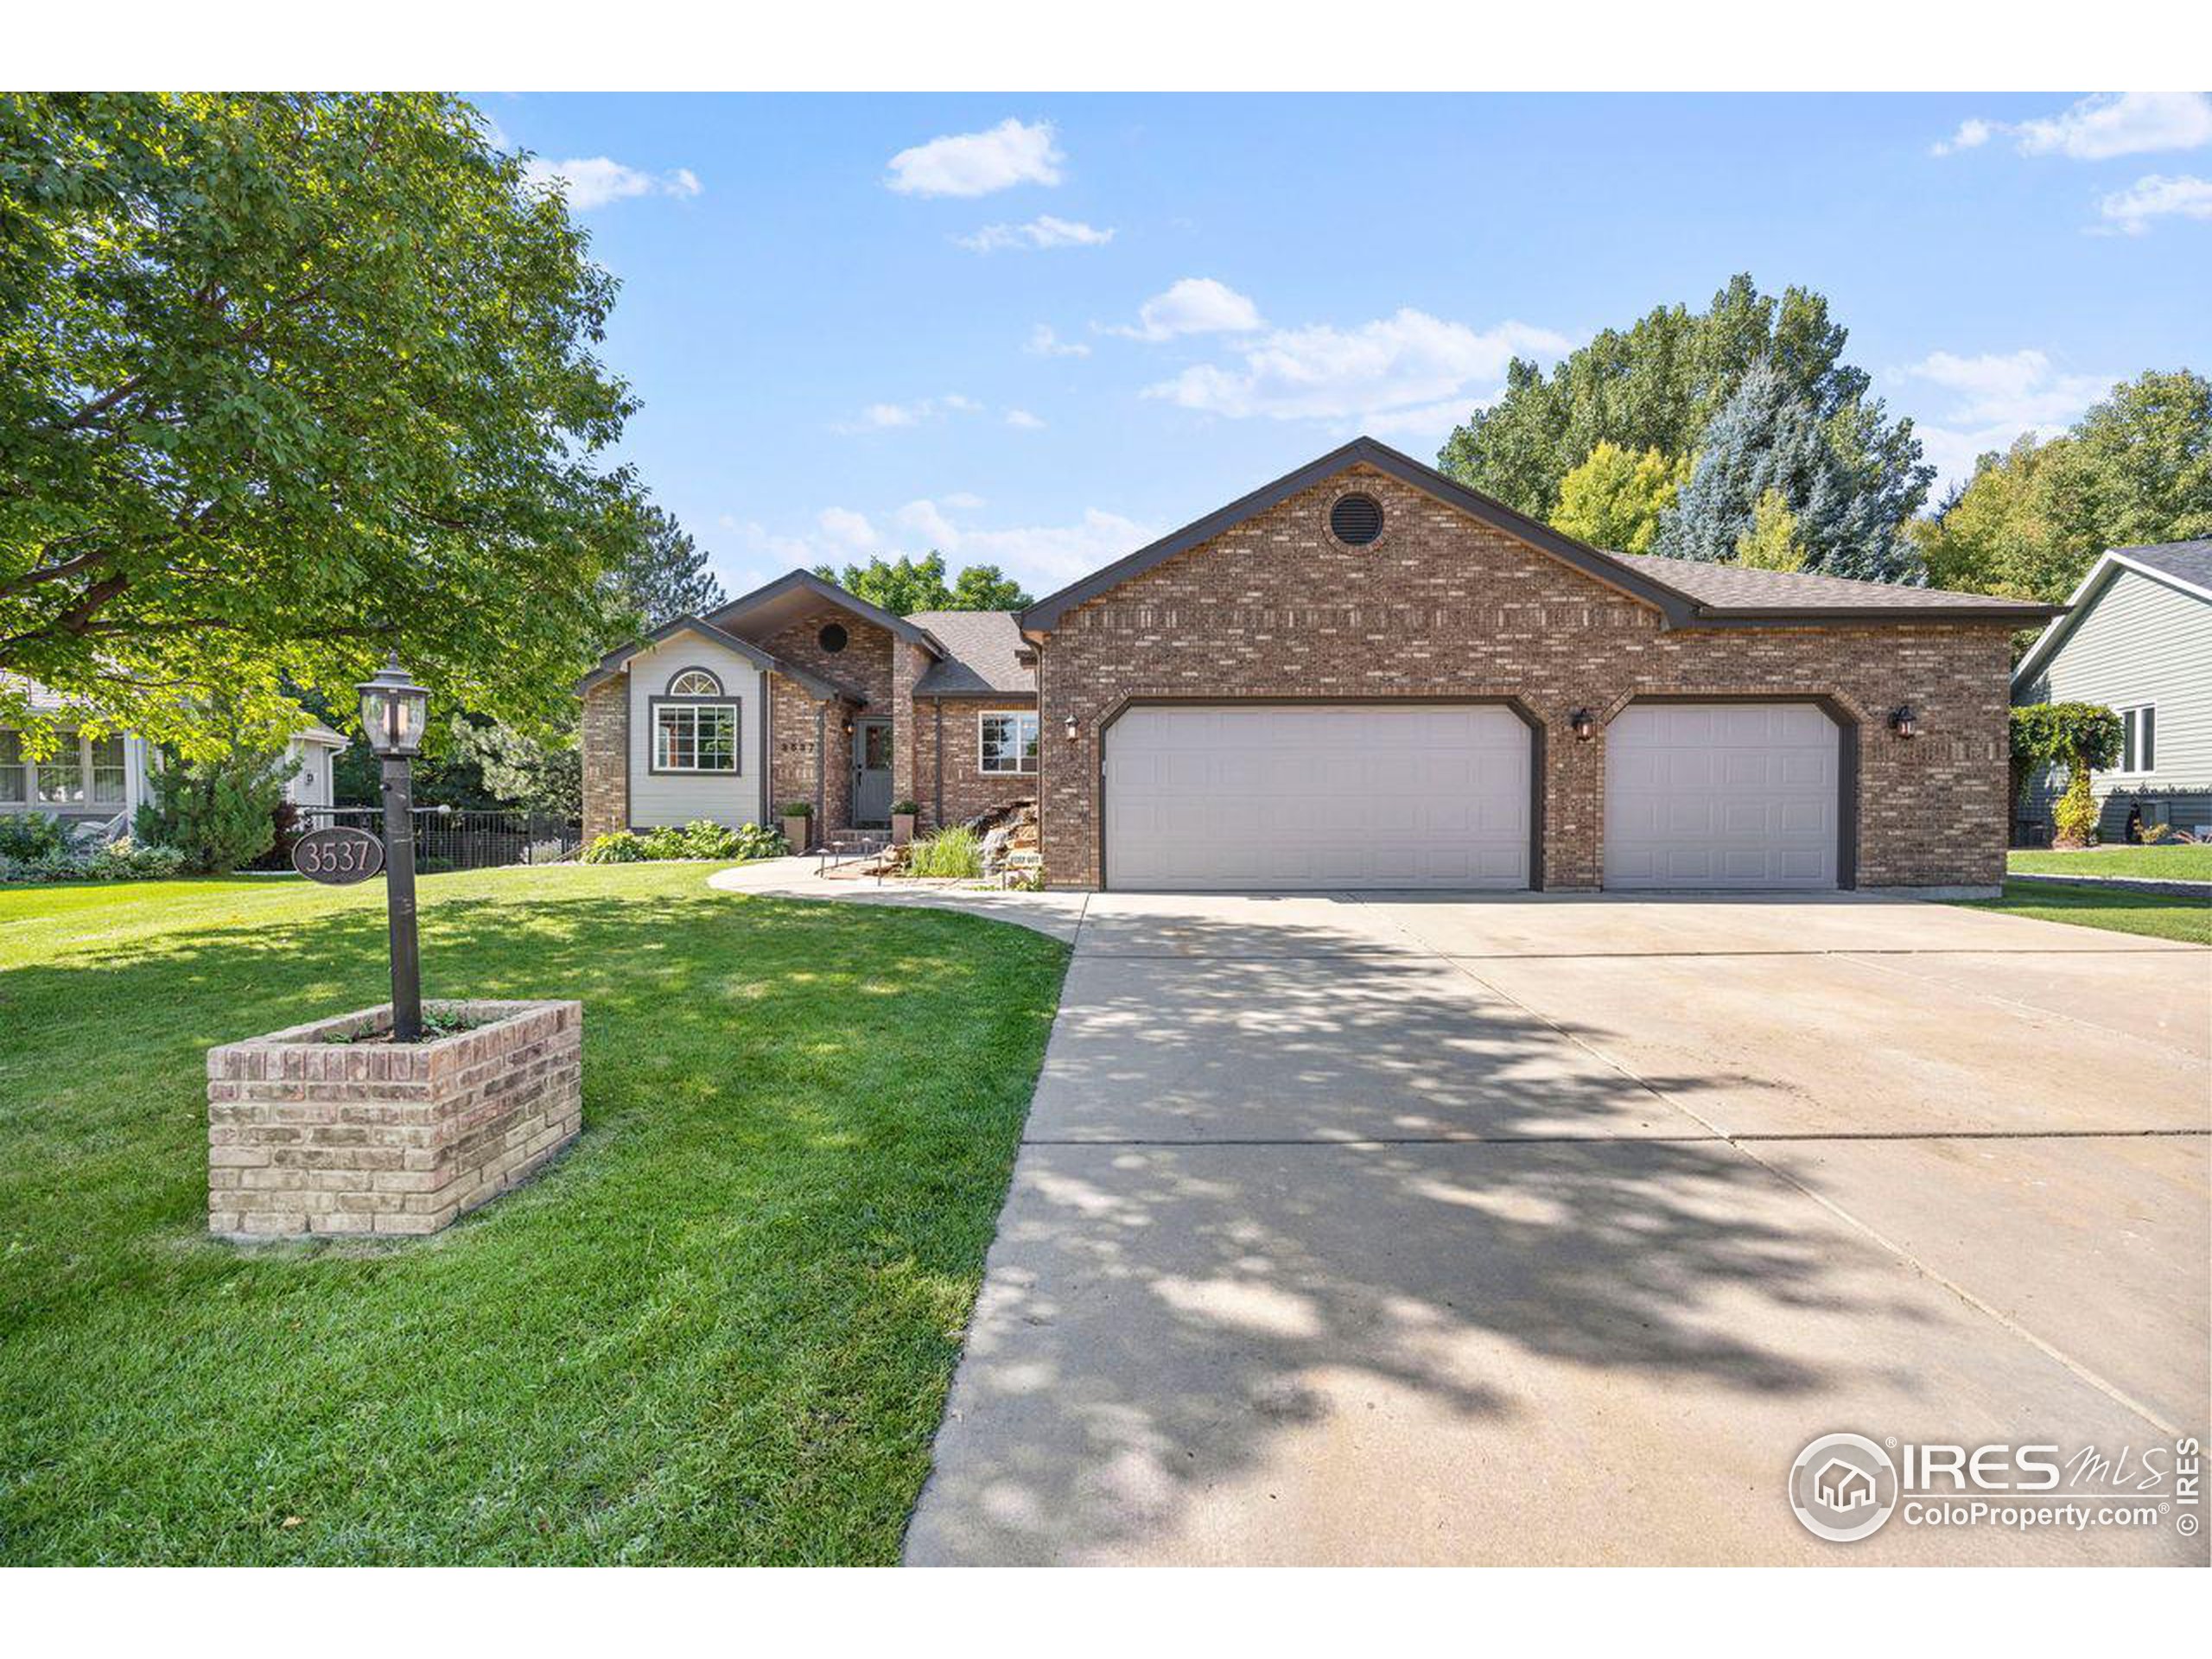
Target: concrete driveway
1551, 1230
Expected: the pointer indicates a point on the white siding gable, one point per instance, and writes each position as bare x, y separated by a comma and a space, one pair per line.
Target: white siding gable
658, 798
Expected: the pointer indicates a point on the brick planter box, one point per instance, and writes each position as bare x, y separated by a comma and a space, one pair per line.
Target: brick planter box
307, 1135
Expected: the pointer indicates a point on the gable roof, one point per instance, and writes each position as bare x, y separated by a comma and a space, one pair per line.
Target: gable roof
1686, 594
2186, 566
821, 587
615, 661
982, 655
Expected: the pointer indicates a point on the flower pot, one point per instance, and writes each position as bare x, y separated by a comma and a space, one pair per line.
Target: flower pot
796, 836
902, 828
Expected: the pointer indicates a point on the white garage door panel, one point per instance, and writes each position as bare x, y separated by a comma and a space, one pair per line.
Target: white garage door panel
1254, 797
1721, 795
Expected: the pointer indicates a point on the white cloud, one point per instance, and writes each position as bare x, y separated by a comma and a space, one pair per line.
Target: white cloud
1397, 370
1023, 419
846, 528
1995, 397
1196, 305
1043, 232
2100, 127
976, 163
592, 181
886, 417
1043, 342
2157, 195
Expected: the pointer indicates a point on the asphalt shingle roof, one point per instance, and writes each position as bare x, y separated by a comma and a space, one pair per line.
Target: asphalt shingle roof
979, 655
2190, 561
1731, 587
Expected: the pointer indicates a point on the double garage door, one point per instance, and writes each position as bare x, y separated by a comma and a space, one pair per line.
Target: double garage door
1257, 796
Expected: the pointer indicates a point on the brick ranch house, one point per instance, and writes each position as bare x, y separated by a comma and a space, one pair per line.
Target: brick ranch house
1361, 675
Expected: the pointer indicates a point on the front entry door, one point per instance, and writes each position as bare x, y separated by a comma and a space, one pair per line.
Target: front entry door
872, 771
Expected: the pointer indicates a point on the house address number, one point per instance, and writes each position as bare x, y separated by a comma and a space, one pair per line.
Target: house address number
338, 856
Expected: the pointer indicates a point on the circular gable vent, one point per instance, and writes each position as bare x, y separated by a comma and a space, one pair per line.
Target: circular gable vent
832, 638
1356, 520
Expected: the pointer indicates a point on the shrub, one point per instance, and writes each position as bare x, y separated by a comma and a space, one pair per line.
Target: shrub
956, 852
2080, 736
126, 860
699, 839
221, 813
2076, 814
2152, 834
28, 838
620, 848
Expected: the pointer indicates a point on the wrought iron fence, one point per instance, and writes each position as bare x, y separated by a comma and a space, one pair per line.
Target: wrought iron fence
447, 840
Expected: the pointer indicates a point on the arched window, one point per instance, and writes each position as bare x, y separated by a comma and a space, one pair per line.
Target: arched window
695, 682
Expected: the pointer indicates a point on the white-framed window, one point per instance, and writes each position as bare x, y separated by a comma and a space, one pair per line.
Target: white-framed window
14, 782
106, 754
695, 736
61, 774
1006, 743
2139, 738
695, 682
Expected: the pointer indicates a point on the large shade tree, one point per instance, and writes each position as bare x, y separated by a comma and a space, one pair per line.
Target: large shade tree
288, 381
904, 585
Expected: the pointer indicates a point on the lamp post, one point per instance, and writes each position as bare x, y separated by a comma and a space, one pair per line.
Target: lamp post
393, 708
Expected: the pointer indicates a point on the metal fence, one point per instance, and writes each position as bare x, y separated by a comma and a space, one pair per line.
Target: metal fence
446, 840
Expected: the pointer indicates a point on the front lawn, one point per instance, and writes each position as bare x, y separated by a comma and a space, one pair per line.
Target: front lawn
2177, 863
718, 1329
2115, 909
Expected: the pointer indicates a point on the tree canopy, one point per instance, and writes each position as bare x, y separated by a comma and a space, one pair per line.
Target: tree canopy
1847, 518
905, 585
1615, 499
667, 575
2136, 469
287, 381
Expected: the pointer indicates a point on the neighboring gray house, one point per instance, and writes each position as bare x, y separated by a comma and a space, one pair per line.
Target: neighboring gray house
2138, 639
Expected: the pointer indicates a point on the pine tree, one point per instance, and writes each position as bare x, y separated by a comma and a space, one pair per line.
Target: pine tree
666, 576
1849, 519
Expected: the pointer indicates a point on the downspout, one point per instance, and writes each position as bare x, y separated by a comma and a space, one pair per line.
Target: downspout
766, 783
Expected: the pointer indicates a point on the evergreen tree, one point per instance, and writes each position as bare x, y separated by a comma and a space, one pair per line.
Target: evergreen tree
1771, 438
666, 576
218, 809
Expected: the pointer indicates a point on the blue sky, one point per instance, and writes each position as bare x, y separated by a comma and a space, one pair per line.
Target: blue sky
1039, 330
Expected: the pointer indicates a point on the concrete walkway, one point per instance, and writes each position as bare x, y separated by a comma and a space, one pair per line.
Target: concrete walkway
1551, 1228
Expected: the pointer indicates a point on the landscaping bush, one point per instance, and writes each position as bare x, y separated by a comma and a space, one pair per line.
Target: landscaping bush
29, 837
220, 813
36, 847
956, 852
699, 839
2076, 814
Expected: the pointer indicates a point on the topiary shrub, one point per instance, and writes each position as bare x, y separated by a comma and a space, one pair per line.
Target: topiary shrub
2083, 737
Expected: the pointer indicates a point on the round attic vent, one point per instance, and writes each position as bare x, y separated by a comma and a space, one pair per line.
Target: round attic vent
832, 638
1356, 520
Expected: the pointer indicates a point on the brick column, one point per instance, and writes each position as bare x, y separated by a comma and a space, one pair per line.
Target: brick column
606, 757
908, 661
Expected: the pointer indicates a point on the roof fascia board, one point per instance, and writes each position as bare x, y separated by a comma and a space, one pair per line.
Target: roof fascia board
821, 587
615, 661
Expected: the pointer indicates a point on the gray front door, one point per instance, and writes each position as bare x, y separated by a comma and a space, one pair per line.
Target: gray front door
872, 771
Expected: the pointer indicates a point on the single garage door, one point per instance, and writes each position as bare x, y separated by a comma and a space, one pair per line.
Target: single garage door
1721, 795
1255, 796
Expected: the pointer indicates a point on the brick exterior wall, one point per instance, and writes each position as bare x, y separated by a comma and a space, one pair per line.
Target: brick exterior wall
967, 790
606, 757
306, 1135
1443, 605
864, 667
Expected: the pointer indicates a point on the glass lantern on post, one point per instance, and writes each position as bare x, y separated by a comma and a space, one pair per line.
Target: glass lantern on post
393, 712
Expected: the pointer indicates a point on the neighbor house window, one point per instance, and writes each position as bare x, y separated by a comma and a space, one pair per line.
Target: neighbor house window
15, 783
695, 737
2138, 733
1009, 743
107, 771
61, 774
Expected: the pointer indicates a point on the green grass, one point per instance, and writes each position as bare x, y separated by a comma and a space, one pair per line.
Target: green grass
718, 1329
2178, 864
2116, 909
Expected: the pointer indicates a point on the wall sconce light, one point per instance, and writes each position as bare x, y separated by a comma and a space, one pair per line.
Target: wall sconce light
1904, 721
847, 727
1070, 728
1584, 724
